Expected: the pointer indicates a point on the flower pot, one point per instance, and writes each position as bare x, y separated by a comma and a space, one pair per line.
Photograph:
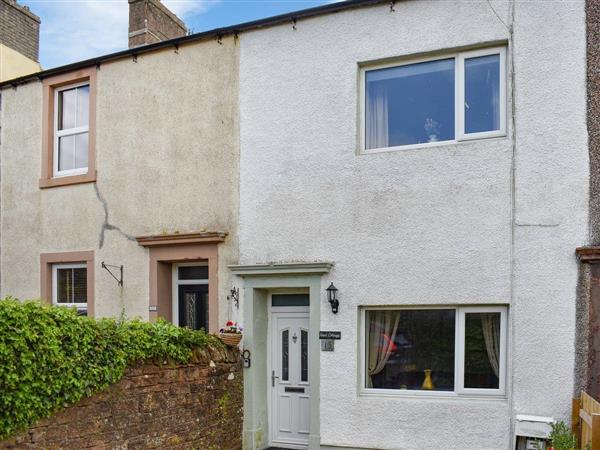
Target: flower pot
231, 339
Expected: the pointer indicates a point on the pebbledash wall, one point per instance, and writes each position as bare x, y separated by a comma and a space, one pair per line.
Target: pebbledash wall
166, 158
492, 221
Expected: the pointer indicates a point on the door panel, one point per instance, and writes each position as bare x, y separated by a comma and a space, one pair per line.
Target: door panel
193, 306
304, 405
290, 411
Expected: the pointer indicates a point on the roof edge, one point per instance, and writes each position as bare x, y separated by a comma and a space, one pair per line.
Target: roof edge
214, 33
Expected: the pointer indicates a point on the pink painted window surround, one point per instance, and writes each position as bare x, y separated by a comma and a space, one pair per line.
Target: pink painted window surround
69, 130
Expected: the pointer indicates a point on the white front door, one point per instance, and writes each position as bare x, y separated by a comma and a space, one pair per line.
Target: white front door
290, 407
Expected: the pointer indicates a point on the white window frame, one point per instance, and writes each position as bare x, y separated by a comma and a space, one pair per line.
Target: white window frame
459, 377
459, 341
460, 89
459, 98
55, 268
176, 282
68, 132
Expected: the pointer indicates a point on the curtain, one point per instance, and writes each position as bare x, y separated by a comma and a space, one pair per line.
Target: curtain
377, 116
490, 323
383, 326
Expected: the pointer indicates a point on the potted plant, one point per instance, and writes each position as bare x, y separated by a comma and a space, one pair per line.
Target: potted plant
561, 437
231, 334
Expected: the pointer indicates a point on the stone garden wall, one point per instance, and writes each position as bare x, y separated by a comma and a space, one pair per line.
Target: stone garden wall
155, 405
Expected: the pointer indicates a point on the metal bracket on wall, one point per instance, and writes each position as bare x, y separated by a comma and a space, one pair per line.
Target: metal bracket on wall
107, 268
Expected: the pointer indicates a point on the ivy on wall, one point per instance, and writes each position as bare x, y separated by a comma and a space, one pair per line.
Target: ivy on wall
51, 358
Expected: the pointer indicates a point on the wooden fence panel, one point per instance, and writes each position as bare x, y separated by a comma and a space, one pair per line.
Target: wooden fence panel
586, 421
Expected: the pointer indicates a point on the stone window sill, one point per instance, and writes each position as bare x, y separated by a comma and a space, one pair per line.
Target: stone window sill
89, 177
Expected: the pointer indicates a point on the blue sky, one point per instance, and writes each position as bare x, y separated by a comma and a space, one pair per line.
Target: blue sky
74, 30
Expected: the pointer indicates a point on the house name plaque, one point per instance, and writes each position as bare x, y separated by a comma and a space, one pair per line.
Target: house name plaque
330, 335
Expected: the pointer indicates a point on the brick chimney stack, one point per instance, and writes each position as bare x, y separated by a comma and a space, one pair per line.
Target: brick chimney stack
150, 21
19, 29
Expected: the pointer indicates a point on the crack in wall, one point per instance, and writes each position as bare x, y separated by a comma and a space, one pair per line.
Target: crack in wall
106, 225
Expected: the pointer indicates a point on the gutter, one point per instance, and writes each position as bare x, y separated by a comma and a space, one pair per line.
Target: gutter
205, 35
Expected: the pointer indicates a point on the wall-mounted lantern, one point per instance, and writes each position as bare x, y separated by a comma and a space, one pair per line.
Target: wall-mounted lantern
234, 296
332, 297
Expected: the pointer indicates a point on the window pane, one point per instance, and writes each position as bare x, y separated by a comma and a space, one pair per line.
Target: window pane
290, 300
193, 273
83, 110
80, 285
71, 285
482, 94
410, 349
66, 153
73, 152
285, 355
410, 104
64, 288
81, 150
304, 356
67, 108
482, 350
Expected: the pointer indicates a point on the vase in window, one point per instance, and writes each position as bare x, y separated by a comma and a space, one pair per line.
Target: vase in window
427, 382
432, 129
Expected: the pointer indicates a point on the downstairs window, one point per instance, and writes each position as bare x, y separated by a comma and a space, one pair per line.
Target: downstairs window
458, 350
69, 286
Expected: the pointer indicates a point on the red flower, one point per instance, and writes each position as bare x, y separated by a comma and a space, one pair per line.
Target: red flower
229, 323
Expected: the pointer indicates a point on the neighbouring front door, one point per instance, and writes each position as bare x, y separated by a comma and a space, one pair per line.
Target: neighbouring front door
290, 402
193, 301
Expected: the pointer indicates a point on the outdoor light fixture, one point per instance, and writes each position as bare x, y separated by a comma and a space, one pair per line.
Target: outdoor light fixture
332, 297
234, 296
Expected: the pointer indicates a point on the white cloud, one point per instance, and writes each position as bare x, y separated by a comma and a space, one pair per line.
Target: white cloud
183, 8
74, 30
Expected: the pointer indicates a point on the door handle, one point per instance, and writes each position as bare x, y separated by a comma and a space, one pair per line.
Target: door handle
273, 376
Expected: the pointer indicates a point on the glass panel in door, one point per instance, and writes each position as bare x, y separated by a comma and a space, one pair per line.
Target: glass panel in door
193, 306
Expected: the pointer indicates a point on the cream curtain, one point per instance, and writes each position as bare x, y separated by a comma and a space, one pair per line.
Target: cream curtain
377, 116
383, 326
490, 323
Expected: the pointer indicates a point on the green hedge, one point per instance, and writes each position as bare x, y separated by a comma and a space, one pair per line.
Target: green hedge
51, 358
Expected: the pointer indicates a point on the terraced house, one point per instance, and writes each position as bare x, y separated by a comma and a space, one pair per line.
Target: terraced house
397, 190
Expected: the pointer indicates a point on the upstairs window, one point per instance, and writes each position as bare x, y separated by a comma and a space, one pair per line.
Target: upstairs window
71, 130
458, 97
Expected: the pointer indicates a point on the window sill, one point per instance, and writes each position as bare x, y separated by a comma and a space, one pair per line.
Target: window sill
89, 177
428, 145
437, 395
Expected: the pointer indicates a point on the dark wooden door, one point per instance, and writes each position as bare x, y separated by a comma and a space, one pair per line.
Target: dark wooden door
193, 306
